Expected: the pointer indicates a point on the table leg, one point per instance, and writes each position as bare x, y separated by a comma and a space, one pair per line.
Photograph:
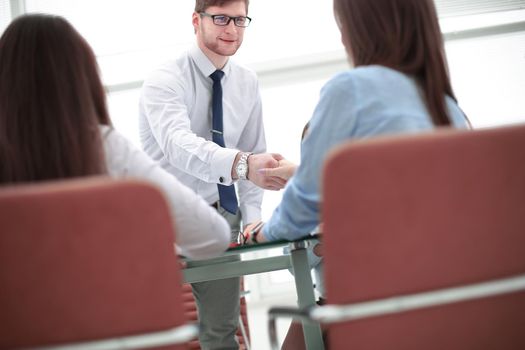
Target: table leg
306, 297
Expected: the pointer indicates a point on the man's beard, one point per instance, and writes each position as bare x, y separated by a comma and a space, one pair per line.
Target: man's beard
215, 46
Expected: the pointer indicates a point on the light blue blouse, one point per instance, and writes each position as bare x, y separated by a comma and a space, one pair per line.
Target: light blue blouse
360, 103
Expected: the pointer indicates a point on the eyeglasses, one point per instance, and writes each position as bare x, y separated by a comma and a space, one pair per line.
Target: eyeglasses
223, 20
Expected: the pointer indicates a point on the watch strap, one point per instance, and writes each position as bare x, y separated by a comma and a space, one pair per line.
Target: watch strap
243, 160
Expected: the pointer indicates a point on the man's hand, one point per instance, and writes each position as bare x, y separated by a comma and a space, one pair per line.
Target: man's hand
265, 161
285, 170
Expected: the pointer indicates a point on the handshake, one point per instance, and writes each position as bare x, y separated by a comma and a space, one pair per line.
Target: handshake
270, 170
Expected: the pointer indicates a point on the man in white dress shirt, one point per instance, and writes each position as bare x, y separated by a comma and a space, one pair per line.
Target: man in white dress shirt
178, 127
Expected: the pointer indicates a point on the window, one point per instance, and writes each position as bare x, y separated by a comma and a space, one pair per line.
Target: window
448, 8
129, 37
488, 76
5, 14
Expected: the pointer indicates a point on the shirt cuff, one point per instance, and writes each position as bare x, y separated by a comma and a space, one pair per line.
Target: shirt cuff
269, 229
266, 232
221, 167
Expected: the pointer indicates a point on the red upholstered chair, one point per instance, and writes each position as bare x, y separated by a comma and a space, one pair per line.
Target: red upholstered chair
424, 242
89, 261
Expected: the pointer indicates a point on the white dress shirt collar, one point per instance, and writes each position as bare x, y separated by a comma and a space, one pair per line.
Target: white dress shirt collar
204, 64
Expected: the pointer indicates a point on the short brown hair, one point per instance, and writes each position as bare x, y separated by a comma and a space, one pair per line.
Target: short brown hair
202, 5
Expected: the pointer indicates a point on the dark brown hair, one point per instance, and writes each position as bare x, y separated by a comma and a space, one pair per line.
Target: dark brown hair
403, 35
202, 5
51, 102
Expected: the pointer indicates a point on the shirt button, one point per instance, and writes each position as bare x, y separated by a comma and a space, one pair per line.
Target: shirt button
221, 179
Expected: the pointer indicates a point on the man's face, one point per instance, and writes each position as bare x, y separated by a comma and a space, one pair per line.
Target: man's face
221, 40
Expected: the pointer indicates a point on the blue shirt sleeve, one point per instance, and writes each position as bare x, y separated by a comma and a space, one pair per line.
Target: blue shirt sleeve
362, 103
299, 211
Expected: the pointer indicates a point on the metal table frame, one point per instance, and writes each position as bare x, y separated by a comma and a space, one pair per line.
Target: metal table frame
219, 268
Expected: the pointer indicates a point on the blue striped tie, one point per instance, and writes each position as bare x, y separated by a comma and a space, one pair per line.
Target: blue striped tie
227, 196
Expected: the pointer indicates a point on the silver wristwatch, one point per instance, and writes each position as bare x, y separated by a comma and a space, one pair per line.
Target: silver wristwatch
242, 166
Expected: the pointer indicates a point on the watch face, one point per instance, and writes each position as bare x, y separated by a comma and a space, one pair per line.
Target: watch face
241, 169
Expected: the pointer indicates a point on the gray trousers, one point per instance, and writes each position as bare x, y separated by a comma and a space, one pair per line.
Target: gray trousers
218, 302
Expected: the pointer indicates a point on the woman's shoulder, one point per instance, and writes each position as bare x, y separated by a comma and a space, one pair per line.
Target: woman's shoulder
365, 82
112, 139
372, 76
456, 114
120, 153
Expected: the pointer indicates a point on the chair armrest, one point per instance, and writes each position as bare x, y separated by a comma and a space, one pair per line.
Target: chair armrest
327, 314
172, 336
289, 312
313, 314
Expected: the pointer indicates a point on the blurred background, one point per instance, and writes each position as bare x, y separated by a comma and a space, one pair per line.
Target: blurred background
295, 47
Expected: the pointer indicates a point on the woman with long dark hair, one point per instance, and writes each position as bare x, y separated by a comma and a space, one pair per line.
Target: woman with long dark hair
399, 85
54, 124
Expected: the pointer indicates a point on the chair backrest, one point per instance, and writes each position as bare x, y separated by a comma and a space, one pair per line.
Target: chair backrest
83, 260
412, 214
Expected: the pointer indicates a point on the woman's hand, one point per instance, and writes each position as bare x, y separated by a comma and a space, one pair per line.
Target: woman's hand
284, 170
253, 233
